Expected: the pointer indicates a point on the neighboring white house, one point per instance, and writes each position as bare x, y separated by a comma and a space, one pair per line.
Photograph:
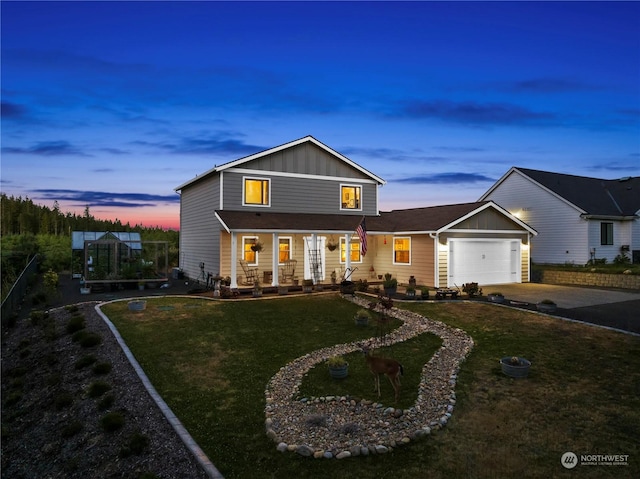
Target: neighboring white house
291, 212
577, 218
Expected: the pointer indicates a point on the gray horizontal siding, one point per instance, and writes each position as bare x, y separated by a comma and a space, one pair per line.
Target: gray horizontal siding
199, 228
298, 195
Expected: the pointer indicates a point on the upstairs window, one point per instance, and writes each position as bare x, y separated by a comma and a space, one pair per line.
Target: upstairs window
350, 197
606, 233
256, 191
401, 250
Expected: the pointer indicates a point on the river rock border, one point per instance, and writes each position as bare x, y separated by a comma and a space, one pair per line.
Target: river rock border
341, 427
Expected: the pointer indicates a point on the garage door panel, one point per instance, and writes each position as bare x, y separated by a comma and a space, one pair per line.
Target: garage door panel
483, 262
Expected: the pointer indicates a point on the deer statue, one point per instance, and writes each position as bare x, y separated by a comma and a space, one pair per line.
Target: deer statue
387, 366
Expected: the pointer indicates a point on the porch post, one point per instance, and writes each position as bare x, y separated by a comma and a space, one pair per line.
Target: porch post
347, 255
234, 260
274, 260
313, 253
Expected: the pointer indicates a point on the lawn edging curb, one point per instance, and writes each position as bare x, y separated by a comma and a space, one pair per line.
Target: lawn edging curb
175, 423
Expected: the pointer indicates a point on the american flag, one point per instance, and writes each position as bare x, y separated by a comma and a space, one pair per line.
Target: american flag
362, 233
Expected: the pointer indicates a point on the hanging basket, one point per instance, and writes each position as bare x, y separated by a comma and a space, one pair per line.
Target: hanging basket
331, 246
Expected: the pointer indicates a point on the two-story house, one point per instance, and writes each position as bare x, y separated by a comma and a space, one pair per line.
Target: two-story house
578, 218
303, 201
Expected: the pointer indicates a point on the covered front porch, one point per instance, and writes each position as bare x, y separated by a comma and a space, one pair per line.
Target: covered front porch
276, 258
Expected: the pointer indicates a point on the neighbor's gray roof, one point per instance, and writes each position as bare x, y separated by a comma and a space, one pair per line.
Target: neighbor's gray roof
79, 237
428, 219
594, 196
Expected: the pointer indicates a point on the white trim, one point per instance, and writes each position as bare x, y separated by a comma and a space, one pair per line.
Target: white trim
290, 240
257, 205
393, 250
221, 191
489, 204
250, 171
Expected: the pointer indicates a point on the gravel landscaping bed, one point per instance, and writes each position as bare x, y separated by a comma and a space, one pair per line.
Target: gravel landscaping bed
75, 410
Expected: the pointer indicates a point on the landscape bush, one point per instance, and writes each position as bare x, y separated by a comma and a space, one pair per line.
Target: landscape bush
98, 388
112, 421
102, 368
90, 339
84, 361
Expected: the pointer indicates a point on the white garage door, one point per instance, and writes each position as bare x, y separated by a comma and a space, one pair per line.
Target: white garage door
484, 261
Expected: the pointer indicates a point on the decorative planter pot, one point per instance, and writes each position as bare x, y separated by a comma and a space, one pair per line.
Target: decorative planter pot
519, 370
390, 291
85, 290
283, 289
546, 307
339, 372
138, 305
307, 289
361, 321
495, 298
257, 294
410, 295
347, 287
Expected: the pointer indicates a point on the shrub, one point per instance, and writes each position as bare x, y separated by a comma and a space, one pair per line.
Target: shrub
71, 429
472, 289
136, 444
98, 388
112, 421
63, 399
102, 368
37, 316
79, 335
106, 402
84, 361
622, 259
91, 339
13, 398
39, 297
71, 308
76, 323
362, 285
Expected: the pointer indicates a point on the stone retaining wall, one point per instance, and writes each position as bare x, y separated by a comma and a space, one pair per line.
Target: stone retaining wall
624, 281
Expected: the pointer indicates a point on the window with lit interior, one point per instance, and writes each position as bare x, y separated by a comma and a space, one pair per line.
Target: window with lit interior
402, 250
354, 246
350, 197
284, 249
256, 191
250, 256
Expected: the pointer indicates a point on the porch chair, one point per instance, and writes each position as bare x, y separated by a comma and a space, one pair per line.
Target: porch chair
288, 270
251, 274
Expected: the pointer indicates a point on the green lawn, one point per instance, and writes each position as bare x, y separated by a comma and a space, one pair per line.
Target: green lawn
211, 361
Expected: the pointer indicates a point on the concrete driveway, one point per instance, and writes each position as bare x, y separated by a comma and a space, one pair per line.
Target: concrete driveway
605, 307
566, 297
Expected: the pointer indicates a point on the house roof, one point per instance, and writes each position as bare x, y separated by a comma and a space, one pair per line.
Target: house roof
593, 196
306, 139
431, 219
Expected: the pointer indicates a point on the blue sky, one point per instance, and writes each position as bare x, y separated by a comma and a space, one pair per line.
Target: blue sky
114, 104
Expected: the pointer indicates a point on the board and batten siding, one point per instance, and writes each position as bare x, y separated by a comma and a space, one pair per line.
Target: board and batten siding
298, 195
199, 228
306, 159
562, 234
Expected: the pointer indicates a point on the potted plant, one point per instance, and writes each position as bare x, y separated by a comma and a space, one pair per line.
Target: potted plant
307, 286
515, 366
496, 297
332, 245
410, 292
334, 278
338, 367
362, 317
257, 247
389, 284
472, 289
141, 285
424, 292
546, 306
283, 289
